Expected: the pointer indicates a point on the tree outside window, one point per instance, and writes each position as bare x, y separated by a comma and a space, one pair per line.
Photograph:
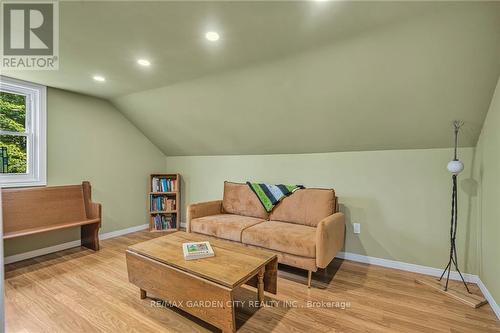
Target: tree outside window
13, 121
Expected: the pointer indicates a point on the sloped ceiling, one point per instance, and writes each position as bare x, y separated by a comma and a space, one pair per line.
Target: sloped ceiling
286, 77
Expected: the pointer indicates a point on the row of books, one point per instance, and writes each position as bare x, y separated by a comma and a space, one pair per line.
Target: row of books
163, 184
159, 203
164, 222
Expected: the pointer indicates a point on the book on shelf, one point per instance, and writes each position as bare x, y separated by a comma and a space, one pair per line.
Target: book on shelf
162, 204
163, 184
164, 222
197, 250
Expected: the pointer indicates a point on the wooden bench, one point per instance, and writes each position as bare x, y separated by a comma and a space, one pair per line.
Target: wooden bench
28, 211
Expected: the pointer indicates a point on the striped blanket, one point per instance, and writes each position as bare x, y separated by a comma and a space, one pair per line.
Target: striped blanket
271, 195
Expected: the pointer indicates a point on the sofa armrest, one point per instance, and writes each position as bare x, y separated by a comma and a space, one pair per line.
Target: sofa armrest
202, 209
329, 238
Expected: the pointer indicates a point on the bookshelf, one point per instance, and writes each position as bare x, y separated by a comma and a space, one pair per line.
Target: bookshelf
164, 202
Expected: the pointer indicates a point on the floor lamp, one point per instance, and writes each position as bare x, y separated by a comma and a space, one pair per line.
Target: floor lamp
455, 166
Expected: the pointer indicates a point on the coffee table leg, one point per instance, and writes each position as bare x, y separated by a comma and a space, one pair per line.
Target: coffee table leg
260, 285
143, 294
229, 315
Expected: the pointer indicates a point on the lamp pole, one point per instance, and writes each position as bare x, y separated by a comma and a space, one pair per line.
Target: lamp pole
455, 167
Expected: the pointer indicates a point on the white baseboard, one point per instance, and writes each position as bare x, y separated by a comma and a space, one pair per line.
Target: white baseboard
121, 232
405, 266
422, 270
489, 298
68, 245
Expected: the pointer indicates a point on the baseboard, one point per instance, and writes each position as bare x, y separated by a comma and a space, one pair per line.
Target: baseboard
422, 270
489, 298
121, 232
405, 266
68, 245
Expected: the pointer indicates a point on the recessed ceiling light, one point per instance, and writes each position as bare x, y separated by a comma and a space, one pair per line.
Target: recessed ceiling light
99, 78
144, 62
212, 36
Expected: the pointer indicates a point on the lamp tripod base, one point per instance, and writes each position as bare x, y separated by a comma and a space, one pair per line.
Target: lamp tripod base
453, 260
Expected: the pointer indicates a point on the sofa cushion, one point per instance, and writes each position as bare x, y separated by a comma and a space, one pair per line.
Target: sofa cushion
307, 206
226, 226
239, 199
282, 236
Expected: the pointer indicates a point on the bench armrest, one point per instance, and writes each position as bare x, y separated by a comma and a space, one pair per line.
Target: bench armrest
202, 209
329, 238
95, 211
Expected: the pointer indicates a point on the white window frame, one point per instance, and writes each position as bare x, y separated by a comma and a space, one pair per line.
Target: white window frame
36, 133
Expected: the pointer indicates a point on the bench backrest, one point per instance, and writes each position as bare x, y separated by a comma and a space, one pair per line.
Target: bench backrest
25, 208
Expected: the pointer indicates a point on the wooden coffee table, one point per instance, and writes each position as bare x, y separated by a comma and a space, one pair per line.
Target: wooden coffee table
202, 287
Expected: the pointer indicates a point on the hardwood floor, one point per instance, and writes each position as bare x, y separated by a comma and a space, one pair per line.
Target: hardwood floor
79, 290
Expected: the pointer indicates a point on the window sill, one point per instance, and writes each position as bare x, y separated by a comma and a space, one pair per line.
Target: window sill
5, 183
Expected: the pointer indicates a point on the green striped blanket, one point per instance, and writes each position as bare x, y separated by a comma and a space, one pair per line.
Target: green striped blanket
271, 195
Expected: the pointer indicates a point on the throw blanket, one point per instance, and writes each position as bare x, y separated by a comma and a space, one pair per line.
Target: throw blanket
270, 195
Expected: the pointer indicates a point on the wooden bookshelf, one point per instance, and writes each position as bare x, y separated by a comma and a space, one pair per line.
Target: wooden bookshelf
163, 189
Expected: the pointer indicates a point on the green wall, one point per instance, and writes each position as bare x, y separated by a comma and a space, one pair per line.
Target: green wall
400, 197
88, 139
487, 171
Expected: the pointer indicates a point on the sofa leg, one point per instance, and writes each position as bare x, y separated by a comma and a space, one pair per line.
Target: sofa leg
309, 278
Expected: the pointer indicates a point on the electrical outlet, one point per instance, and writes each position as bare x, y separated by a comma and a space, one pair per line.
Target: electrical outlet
357, 228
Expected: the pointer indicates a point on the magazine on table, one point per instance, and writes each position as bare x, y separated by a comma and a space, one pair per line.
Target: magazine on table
197, 250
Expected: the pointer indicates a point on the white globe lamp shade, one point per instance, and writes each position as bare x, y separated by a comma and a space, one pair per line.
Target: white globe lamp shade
455, 167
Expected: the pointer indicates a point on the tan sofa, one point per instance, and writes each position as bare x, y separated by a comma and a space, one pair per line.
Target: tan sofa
304, 230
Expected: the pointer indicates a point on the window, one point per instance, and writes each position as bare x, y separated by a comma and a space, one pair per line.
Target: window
22, 133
